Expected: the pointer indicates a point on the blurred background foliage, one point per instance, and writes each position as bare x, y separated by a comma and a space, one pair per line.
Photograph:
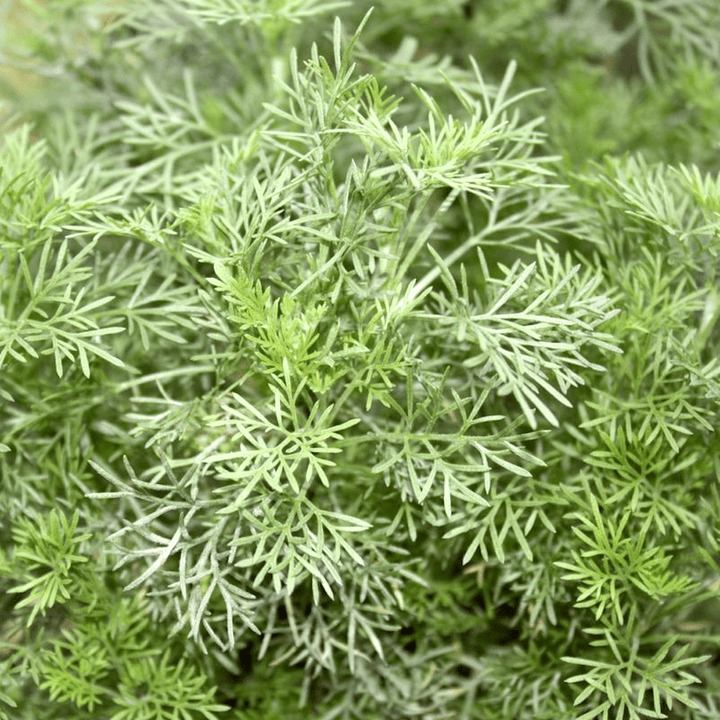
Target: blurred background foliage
618, 75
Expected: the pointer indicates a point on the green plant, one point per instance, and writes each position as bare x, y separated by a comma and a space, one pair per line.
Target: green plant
337, 382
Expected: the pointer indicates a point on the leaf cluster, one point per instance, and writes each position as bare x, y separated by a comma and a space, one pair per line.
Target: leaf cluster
345, 374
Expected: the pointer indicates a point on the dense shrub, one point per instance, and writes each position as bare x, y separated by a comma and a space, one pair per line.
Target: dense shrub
360, 364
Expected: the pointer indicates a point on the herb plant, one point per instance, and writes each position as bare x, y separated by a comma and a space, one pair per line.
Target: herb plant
360, 363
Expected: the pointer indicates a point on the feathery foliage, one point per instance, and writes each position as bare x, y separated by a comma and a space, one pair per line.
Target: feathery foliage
360, 363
